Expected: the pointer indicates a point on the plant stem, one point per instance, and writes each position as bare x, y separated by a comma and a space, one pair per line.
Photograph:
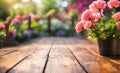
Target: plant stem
102, 20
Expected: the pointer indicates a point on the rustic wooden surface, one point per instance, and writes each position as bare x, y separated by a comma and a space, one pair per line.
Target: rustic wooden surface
57, 55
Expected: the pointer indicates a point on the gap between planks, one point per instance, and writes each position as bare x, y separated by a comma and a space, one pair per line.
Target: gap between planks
9, 62
61, 59
37, 60
97, 64
94, 49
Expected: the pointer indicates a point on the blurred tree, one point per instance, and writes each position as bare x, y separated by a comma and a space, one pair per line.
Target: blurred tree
29, 7
47, 6
5, 7
8, 3
26, 8
3, 11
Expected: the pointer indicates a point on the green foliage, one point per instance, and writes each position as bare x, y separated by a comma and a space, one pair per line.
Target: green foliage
47, 6
36, 26
3, 12
50, 12
29, 7
104, 31
24, 27
25, 8
21, 38
73, 12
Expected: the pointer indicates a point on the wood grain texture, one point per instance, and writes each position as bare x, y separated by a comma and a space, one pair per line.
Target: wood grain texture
8, 50
36, 62
57, 55
2, 53
9, 60
61, 60
91, 62
93, 47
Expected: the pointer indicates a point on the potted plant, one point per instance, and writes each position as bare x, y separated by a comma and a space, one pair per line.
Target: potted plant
107, 32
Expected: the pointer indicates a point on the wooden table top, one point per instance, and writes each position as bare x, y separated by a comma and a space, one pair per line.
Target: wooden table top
57, 55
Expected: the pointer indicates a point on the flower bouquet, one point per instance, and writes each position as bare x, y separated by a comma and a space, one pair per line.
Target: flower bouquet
104, 28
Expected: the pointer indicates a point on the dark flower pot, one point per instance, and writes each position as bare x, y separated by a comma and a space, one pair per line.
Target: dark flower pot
109, 47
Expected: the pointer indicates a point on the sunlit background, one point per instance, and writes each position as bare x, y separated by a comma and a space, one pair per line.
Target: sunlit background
42, 17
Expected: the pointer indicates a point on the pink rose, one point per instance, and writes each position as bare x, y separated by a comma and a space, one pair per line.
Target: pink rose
88, 25
98, 5
92, 8
86, 15
96, 17
116, 16
79, 26
113, 4
118, 25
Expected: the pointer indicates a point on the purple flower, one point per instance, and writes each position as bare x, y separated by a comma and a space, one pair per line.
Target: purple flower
106, 10
12, 34
61, 33
2, 27
28, 32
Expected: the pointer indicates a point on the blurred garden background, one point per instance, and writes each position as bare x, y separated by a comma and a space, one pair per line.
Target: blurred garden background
22, 20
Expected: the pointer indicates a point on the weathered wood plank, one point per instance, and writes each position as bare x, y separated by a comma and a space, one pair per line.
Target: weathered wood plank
93, 47
61, 60
8, 61
62, 57
2, 53
8, 50
91, 62
85, 43
36, 62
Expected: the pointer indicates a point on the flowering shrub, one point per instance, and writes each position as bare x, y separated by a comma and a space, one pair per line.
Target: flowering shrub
2, 27
61, 33
18, 17
79, 5
36, 17
24, 17
93, 19
12, 34
16, 21
28, 32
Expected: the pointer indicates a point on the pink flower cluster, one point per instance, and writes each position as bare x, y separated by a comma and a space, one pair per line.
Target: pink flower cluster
80, 6
36, 17
113, 4
24, 17
59, 16
2, 27
117, 16
16, 21
97, 5
118, 25
95, 12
